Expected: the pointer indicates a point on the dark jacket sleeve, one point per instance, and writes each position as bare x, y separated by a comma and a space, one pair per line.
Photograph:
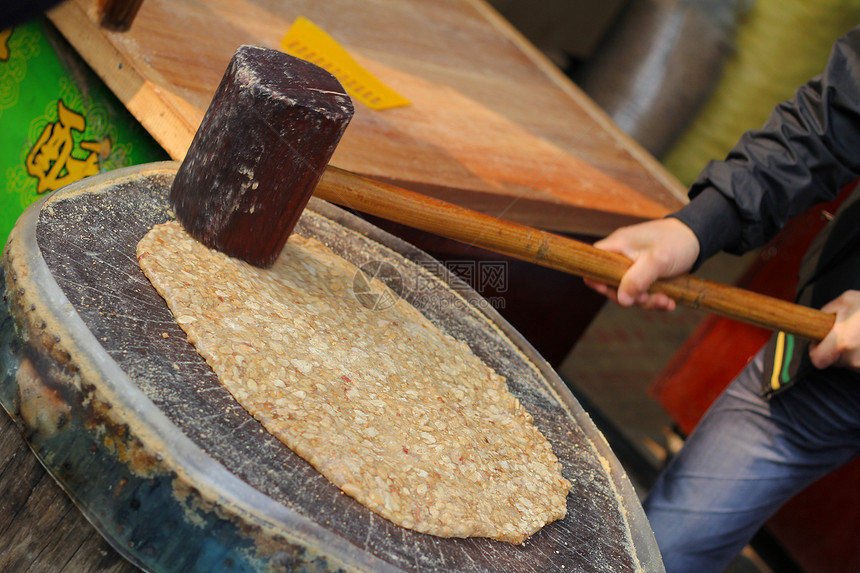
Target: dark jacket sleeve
806, 152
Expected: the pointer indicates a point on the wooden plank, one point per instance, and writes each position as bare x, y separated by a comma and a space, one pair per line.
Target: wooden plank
492, 125
40, 528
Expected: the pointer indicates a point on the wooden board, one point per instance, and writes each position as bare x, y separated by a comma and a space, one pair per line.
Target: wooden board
40, 527
158, 455
493, 125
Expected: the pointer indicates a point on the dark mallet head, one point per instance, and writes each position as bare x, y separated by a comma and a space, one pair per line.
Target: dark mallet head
263, 145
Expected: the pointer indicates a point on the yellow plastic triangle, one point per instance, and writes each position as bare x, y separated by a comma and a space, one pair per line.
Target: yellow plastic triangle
307, 41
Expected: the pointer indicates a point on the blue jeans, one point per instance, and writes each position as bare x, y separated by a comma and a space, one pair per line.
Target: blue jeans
745, 459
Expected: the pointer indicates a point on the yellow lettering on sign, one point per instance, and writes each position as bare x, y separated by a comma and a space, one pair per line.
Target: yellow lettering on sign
51, 161
4, 44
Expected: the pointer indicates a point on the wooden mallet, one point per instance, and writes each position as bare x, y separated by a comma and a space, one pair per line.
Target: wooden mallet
263, 149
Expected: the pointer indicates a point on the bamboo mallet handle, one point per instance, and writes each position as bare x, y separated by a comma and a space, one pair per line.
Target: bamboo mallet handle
288, 115
560, 253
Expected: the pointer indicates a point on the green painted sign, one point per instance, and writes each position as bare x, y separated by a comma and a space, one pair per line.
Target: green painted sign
58, 122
